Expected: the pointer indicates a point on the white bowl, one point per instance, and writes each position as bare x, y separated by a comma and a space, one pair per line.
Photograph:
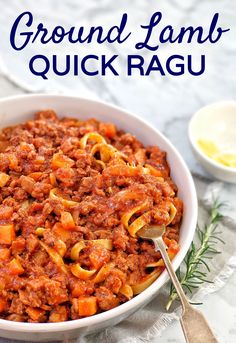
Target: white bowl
20, 108
216, 122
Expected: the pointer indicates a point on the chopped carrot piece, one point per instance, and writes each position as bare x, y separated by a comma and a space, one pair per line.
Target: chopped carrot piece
15, 267
67, 220
173, 247
63, 234
167, 241
4, 254
3, 304
108, 129
99, 256
7, 234
35, 313
60, 161
87, 306
13, 161
36, 175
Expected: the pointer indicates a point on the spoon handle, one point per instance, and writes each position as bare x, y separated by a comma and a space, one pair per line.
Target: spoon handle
160, 245
194, 325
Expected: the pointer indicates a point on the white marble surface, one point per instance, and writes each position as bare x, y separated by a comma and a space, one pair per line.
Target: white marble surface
167, 103
223, 320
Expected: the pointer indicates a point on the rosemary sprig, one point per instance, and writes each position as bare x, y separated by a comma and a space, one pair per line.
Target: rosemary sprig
196, 258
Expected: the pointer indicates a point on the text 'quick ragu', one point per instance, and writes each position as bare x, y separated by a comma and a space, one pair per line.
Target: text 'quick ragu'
26, 31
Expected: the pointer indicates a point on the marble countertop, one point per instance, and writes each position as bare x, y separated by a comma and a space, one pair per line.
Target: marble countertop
225, 299
166, 103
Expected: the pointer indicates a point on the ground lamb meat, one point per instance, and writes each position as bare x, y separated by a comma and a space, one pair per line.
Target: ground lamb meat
106, 299
73, 194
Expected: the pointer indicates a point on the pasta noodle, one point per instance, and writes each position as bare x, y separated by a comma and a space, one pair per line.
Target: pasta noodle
103, 272
101, 163
57, 259
3, 179
106, 243
53, 180
127, 291
93, 136
61, 161
172, 250
107, 152
74, 195
160, 263
172, 214
75, 251
39, 231
81, 273
61, 247
65, 202
153, 171
146, 282
138, 223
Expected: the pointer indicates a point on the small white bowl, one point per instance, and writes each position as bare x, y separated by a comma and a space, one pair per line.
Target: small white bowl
215, 122
17, 109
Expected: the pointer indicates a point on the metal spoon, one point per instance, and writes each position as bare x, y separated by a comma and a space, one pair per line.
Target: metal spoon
194, 324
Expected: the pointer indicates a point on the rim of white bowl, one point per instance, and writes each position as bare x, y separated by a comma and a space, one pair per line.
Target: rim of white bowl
229, 170
157, 284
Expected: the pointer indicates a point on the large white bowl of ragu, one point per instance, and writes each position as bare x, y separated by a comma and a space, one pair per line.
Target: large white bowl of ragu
78, 179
